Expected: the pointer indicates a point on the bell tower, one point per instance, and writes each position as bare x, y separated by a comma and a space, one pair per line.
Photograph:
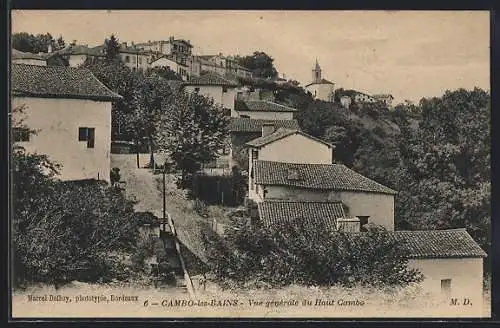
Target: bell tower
316, 73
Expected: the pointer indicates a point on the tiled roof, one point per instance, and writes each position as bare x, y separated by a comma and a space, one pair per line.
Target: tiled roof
58, 82
79, 50
281, 133
241, 124
210, 78
316, 176
263, 106
318, 215
16, 54
455, 243
322, 81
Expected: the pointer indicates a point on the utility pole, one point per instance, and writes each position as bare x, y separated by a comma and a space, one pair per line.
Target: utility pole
164, 196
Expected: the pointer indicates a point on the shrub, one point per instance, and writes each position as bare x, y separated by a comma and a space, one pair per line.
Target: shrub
295, 253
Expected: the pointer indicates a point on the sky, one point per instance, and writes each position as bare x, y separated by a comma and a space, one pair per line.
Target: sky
409, 54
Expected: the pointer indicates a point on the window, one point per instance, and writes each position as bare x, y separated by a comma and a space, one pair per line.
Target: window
127, 59
362, 221
446, 286
244, 116
196, 89
87, 134
265, 192
140, 60
21, 134
224, 89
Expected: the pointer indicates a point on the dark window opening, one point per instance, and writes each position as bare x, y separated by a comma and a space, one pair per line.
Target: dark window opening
244, 116
362, 221
21, 134
87, 134
224, 89
127, 59
196, 89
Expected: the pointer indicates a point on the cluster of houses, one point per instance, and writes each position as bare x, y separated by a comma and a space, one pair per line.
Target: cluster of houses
291, 175
324, 90
174, 54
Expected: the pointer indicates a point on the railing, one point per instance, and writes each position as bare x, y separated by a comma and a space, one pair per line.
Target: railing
187, 278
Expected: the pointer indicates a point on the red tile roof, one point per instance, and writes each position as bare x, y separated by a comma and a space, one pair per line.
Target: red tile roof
16, 54
322, 81
454, 243
279, 134
319, 215
58, 82
316, 176
248, 125
262, 106
211, 78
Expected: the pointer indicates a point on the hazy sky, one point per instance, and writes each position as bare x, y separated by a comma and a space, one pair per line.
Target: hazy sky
407, 53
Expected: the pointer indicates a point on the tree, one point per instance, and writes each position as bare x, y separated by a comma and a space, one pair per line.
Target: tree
297, 252
260, 63
444, 177
192, 131
111, 47
26, 42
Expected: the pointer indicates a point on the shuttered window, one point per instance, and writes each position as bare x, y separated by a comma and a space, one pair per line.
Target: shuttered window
88, 135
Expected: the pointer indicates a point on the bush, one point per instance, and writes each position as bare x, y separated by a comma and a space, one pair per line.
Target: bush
295, 253
64, 231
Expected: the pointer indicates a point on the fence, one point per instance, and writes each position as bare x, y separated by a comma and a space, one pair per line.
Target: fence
219, 189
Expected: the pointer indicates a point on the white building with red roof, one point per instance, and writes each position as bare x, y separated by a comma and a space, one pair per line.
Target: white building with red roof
70, 110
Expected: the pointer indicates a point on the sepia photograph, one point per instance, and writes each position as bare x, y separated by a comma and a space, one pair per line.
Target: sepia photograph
250, 164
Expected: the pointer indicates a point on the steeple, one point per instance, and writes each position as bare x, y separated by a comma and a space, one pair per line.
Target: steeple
316, 73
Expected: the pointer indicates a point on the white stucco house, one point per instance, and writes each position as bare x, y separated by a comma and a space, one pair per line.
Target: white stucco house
262, 110
176, 66
214, 86
320, 88
70, 110
385, 98
19, 57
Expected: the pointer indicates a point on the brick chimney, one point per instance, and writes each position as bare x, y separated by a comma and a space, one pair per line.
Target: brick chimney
348, 224
267, 129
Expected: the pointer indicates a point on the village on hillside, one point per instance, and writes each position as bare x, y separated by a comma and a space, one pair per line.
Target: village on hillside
196, 172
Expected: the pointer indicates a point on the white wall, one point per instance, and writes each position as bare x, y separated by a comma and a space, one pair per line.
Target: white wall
322, 91
57, 122
265, 115
76, 60
380, 207
38, 62
297, 149
466, 276
215, 92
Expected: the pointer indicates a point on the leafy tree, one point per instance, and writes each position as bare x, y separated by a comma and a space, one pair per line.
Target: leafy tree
444, 178
111, 47
260, 63
289, 253
165, 73
192, 131
26, 42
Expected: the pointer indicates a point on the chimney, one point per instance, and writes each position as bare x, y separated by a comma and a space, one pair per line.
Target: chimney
267, 129
49, 50
348, 225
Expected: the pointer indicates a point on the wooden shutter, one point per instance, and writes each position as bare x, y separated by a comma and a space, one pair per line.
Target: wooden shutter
91, 137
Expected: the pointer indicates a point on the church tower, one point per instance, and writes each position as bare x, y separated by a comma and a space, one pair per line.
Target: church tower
316, 73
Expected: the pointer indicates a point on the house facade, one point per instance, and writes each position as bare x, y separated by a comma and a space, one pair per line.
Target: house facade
169, 63
19, 57
70, 110
262, 110
172, 47
216, 87
386, 99
320, 88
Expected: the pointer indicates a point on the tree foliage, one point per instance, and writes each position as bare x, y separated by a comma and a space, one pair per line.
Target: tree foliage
444, 178
260, 63
111, 47
192, 130
296, 253
27, 42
